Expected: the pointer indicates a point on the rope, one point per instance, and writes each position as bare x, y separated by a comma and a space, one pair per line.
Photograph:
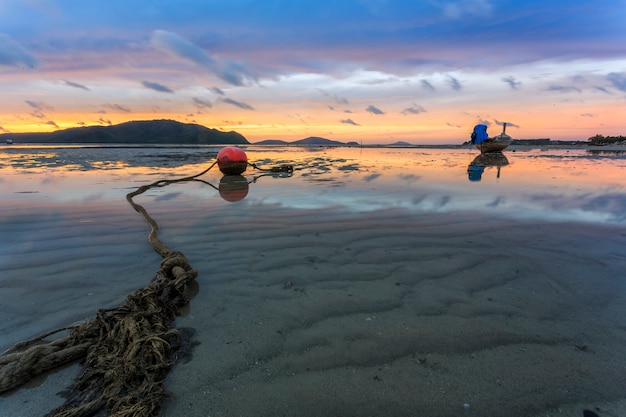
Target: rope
278, 168
158, 246
127, 351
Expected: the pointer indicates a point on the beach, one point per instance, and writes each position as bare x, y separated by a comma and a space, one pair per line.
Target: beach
408, 318
354, 287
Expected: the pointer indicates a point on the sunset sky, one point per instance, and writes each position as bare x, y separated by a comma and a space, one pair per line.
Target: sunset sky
376, 71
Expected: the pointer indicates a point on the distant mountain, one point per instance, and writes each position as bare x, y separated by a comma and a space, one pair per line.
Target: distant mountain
400, 143
272, 142
136, 132
312, 140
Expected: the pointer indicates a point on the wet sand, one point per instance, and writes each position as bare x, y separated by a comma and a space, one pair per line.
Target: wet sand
389, 313
335, 311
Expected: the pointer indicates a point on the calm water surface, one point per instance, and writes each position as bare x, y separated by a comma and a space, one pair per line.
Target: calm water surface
70, 243
65, 208
559, 185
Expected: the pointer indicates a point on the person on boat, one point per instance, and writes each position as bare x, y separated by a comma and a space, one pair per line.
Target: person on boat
479, 135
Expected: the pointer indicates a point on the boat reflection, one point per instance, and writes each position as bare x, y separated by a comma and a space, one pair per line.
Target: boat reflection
477, 167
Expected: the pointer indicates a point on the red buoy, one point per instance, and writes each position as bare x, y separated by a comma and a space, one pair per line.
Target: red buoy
232, 160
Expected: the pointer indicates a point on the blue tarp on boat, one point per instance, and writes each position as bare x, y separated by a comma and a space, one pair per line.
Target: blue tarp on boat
479, 135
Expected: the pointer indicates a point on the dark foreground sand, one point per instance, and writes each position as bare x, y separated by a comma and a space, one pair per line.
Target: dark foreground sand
391, 314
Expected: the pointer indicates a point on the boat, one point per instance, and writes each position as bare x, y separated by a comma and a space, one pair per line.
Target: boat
9, 141
495, 144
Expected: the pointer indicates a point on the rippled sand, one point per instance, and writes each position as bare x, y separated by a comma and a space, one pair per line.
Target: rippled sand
387, 313
335, 311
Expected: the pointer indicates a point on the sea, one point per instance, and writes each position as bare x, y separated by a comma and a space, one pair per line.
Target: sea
347, 281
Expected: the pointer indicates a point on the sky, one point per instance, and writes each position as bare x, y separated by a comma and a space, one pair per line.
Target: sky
371, 71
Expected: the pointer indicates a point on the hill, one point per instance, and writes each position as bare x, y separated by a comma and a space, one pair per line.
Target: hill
135, 132
310, 141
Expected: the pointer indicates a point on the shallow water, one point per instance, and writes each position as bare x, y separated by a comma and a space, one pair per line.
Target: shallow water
489, 285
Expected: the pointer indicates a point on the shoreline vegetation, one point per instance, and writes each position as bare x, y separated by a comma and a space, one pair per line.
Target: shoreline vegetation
161, 132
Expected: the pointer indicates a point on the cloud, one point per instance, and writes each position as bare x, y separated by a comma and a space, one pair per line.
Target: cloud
40, 105
14, 54
334, 97
104, 121
157, 87
349, 122
217, 91
618, 79
454, 83
52, 123
237, 104
512, 82
413, 110
602, 89
75, 85
374, 110
508, 124
234, 73
563, 89
201, 103
38, 108
427, 86
3, 130
462, 8
116, 107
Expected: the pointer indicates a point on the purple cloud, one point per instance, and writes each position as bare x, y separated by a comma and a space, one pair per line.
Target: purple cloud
14, 54
426, 85
454, 83
564, 89
238, 104
201, 103
413, 110
508, 124
618, 79
157, 87
334, 97
374, 110
349, 122
234, 73
38, 108
75, 85
512, 82
602, 89
116, 107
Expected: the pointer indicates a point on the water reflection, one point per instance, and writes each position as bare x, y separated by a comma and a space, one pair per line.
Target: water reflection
86, 158
404, 225
476, 168
570, 185
233, 188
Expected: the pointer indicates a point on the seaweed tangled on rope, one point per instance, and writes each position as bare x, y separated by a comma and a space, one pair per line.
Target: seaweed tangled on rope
126, 351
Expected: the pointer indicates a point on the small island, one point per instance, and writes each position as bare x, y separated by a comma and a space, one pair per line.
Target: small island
145, 132
310, 141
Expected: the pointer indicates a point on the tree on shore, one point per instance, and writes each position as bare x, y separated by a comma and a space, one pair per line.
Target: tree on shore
606, 140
